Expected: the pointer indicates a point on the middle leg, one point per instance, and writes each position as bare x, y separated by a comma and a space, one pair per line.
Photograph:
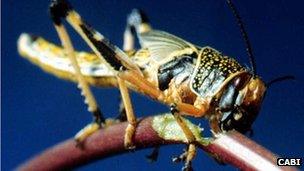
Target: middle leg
190, 153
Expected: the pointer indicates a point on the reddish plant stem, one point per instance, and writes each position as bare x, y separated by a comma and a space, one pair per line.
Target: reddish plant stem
232, 148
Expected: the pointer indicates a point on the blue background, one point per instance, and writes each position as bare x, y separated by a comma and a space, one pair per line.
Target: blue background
39, 110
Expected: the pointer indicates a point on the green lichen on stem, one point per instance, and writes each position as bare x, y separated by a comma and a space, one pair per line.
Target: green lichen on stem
167, 128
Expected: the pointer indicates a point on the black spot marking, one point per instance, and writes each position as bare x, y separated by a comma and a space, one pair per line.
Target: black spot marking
59, 9
106, 49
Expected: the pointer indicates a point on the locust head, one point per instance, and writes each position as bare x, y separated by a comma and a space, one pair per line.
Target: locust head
241, 102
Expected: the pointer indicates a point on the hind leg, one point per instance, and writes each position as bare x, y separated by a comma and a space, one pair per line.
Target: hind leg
115, 58
82, 85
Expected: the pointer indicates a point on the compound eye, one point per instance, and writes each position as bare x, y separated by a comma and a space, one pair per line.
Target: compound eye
241, 81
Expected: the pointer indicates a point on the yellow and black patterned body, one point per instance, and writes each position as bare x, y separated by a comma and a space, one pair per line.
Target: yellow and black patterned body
192, 76
205, 82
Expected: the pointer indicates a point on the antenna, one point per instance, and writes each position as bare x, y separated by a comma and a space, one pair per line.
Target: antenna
244, 35
279, 79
